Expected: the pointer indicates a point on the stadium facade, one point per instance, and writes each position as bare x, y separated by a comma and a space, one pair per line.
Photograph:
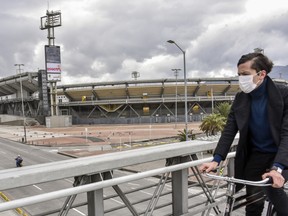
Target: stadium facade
119, 102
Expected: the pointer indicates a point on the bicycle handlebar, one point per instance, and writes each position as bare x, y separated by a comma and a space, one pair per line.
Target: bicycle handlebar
262, 183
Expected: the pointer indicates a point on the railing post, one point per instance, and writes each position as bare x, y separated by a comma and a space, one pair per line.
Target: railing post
95, 198
230, 166
180, 189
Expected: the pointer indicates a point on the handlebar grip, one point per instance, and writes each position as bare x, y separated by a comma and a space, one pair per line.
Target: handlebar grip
270, 180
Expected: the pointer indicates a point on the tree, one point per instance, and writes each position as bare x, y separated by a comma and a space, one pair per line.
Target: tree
212, 124
182, 135
223, 109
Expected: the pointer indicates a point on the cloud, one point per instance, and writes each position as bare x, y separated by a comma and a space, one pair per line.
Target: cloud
108, 40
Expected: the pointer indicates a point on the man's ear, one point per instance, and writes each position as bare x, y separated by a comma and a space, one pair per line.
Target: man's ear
263, 73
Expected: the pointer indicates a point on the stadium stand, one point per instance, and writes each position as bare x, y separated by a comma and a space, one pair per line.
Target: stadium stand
133, 101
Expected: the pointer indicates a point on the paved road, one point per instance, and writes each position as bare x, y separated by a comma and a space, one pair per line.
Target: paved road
31, 155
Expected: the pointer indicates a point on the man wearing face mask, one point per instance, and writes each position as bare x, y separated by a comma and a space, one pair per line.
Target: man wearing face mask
260, 114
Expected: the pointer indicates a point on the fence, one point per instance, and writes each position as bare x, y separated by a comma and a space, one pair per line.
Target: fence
94, 173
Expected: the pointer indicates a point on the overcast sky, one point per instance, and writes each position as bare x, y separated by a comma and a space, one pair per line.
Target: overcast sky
106, 40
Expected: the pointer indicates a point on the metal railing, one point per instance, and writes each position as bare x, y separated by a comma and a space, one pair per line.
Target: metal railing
147, 100
97, 167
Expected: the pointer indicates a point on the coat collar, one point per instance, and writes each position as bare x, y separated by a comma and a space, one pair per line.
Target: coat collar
275, 106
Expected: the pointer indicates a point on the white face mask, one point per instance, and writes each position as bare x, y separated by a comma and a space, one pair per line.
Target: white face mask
246, 83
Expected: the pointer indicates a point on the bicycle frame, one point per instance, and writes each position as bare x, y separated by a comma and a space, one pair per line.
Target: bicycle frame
230, 192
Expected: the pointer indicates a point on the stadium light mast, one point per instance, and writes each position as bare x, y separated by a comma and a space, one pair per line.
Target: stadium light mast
52, 55
185, 85
49, 22
22, 101
259, 50
135, 75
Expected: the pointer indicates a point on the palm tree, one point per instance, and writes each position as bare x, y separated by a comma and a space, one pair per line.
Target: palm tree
212, 124
182, 135
223, 109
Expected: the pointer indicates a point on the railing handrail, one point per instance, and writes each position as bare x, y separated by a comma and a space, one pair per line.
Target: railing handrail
35, 174
99, 185
147, 100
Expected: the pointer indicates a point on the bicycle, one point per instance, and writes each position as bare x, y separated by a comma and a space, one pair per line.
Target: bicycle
230, 192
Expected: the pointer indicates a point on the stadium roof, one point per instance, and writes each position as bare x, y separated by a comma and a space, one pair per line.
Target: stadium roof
11, 84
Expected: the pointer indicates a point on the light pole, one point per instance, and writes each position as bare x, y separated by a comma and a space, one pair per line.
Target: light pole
185, 86
212, 100
176, 94
21, 91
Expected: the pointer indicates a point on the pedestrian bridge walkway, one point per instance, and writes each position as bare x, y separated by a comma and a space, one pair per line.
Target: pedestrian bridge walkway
174, 189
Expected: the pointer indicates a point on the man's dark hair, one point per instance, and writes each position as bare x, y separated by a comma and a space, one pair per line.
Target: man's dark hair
260, 61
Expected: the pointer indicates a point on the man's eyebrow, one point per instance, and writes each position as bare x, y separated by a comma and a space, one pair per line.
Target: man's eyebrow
244, 73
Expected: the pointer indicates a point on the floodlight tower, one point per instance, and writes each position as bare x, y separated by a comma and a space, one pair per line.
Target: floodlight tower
49, 22
259, 50
135, 75
52, 55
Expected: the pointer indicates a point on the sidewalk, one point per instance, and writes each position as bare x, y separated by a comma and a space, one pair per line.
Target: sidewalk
87, 140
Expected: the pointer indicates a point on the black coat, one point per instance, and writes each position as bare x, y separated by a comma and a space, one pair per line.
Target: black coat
238, 120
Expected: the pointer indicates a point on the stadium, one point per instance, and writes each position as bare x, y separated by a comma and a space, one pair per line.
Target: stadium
119, 102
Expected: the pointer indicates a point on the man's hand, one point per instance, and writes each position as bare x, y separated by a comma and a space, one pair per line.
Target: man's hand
207, 167
278, 179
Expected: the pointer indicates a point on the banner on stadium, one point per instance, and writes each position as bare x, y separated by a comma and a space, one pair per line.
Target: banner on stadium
53, 63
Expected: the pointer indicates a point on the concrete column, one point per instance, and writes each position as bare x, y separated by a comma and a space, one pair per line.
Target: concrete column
180, 192
95, 199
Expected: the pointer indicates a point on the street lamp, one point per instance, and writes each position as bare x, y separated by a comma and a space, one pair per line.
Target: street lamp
21, 91
185, 86
176, 94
